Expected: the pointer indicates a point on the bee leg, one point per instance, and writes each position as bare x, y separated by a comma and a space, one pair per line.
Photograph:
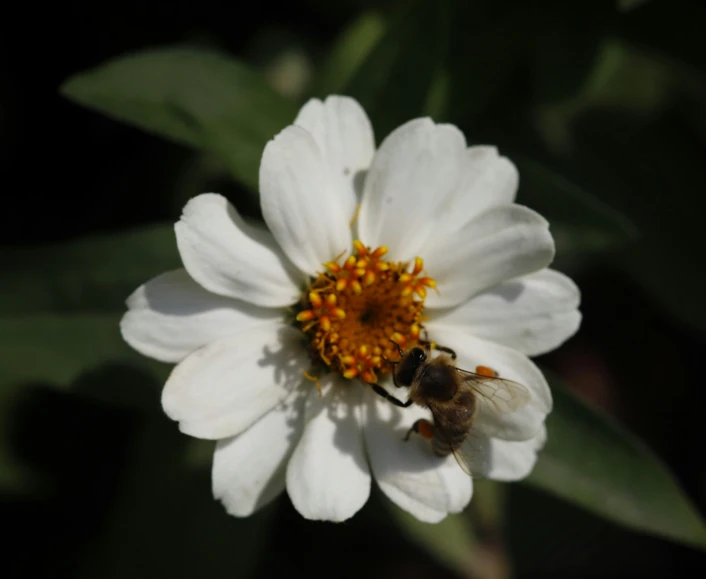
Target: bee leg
382, 392
435, 346
422, 427
449, 351
399, 350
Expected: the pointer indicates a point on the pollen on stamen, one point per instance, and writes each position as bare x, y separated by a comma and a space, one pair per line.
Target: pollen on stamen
380, 251
356, 308
360, 248
305, 316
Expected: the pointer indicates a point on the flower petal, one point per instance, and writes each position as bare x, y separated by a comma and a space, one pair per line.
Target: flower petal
306, 213
220, 390
533, 314
231, 258
503, 243
249, 469
493, 418
503, 460
487, 180
328, 477
409, 473
171, 316
344, 135
416, 168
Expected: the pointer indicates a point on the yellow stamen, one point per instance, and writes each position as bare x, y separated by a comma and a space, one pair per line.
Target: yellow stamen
380, 251
305, 316
314, 379
360, 247
357, 305
315, 299
355, 215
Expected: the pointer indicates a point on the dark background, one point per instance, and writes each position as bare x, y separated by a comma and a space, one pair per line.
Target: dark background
113, 499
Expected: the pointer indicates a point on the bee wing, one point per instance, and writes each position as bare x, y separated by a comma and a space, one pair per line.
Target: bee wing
501, 394
460, 455
463, 460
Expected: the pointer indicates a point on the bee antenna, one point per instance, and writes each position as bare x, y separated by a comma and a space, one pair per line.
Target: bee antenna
399, 350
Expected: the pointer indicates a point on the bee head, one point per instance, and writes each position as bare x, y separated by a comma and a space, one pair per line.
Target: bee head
409, 366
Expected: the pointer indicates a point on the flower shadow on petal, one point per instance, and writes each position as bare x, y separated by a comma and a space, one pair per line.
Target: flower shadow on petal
510, 292
359, 185
261, 235
344, 411
191, 299
286, 362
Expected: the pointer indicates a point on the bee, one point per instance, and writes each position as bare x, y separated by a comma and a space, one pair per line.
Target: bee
452, 395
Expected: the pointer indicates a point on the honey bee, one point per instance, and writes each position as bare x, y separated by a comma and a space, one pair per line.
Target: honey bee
452, 395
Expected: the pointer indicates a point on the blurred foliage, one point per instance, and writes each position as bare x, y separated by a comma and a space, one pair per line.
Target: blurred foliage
601, 104
598, 465
197, 97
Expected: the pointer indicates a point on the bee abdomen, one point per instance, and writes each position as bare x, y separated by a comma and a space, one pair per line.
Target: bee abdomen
451, 438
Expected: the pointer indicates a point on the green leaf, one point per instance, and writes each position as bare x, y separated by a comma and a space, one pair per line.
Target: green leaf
593, 462
194, 96
95, 273
452, 541
582, 224
463, 542
83, 354
59, 350
166, 523
393, 84
348, 53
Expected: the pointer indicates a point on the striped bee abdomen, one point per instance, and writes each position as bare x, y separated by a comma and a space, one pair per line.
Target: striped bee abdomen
452, 423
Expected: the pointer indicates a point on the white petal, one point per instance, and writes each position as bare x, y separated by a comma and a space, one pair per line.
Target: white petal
503, 243
328, 477
249, 469
409, 473
220, 390
344, 135
487, 180
231, 258
416, 168
503, 460
171, 316
302, 206
533, 314
493, 419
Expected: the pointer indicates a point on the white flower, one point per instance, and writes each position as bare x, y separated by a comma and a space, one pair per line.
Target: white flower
253, 310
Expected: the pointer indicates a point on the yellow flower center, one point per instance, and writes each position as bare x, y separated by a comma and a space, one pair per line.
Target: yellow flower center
354, 313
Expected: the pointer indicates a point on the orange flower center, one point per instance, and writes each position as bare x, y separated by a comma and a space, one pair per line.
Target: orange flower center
354, 313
